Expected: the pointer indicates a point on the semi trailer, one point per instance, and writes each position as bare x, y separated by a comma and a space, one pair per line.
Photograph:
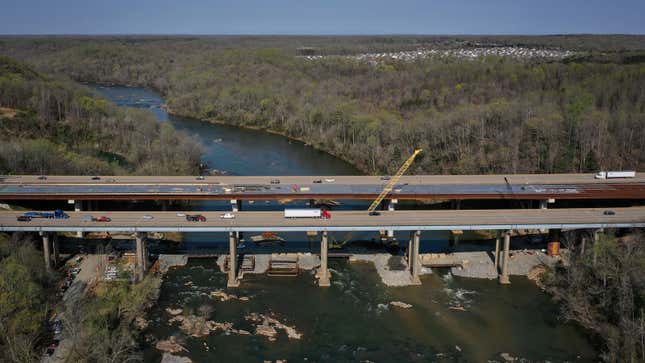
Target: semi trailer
615, 174
306, 213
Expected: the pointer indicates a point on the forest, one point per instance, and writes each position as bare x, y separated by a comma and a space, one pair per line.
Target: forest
54, 126
489, 115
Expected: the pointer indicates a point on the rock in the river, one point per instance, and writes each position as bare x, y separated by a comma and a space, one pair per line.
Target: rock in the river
171, 345
267, 326
223, 296
400, 304
507, 357
169, 358
174, 312
193, 325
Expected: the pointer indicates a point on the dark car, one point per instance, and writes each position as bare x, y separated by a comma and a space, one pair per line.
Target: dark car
42, 177
385, 178
201, 177
195, 218
375, 213
275, 181
23, 218
318, 181
609, 213
96, 178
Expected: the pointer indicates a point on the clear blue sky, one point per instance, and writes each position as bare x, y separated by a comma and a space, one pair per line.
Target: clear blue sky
321, 17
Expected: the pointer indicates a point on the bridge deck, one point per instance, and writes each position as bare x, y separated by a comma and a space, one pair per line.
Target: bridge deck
341, 221
537, 186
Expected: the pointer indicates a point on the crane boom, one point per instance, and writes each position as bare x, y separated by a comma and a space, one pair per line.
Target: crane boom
390, 185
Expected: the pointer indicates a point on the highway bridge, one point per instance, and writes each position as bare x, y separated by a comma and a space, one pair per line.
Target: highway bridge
413, 221
416, 187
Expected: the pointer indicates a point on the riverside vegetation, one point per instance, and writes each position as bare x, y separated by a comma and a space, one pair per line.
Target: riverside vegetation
490, 115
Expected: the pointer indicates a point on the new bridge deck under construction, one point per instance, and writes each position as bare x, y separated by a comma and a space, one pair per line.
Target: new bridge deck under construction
515, 186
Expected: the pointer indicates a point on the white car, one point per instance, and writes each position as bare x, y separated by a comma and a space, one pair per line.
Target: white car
147, 216
329, 180
227, 216
181, 214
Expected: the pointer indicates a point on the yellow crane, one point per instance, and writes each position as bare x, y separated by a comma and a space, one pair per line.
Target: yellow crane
384, 193
392, 182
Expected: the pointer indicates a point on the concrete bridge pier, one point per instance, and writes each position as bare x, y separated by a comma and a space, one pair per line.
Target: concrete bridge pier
46, 251
142, 256
233, 281
391, 205
236, 206
323, 272
55, 249
78, 207
413, 257
503, 277
497, 237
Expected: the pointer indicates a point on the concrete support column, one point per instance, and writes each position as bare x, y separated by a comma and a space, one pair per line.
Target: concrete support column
413, 261
236, 205
323, 273
78, 207
503, 278
497, 252
46, 252
390, 207
232, 261
56, 249
140, 268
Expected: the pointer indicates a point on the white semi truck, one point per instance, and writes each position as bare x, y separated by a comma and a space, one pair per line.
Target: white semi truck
615, 174
306, 213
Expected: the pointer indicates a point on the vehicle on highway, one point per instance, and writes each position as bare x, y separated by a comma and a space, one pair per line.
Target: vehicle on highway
195, 218
375, 213
96, 178
227, 216
306, 213
42, 177
57, 214
385, 177
201, 177
147, 216
609, 213
181, 214
275, 181
330, 180
317, 181
615, 174
103, 219
23, 218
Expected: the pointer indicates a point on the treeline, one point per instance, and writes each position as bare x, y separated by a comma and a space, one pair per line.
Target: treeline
493, 115
26, 297
53, 126
602, 287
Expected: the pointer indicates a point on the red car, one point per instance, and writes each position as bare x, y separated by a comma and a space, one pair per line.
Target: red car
23, 218
102, 219
195, 218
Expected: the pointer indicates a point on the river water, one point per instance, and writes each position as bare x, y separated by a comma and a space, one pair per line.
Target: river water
350, 321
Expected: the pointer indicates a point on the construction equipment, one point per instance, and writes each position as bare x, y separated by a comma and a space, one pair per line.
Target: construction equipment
392, 182
384, 193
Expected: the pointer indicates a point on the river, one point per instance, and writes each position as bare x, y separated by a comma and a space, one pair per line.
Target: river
351, 320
